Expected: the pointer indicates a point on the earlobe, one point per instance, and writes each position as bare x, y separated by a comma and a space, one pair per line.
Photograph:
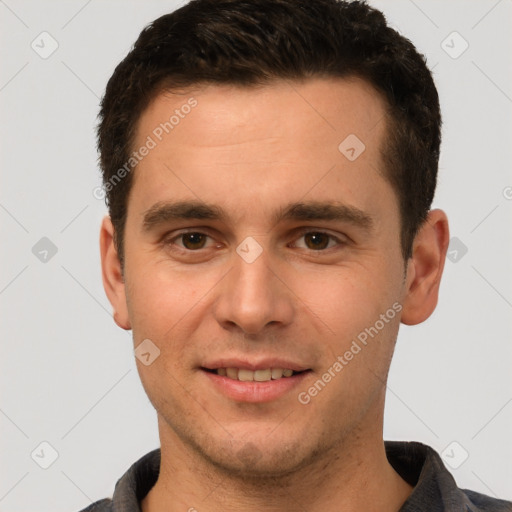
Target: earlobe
425, 268
113, 281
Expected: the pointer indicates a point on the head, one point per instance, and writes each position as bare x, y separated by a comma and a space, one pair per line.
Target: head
256, 42
306, 135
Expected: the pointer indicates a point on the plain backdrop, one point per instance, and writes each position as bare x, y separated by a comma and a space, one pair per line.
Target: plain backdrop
68, 376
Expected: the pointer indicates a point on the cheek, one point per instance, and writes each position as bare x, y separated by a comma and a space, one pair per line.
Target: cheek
164, 302
359, 315
345, 297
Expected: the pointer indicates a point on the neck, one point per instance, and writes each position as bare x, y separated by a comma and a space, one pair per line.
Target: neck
357, 476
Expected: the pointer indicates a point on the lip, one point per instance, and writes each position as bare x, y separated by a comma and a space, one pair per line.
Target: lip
252, 391
253, 365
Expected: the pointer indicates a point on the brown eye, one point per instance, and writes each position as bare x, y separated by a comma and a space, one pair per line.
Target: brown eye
193, 241
316, 240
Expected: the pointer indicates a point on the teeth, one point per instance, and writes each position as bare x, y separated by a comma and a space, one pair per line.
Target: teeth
244, 375
277, 373
232, 373
262, 375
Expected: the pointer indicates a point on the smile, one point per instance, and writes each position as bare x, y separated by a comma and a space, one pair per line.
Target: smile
245, 375
254, 385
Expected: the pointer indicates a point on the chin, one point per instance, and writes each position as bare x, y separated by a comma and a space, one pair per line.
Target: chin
252, 463
258, 449
258, 458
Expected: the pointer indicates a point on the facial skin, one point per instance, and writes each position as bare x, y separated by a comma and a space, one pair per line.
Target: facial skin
252, 152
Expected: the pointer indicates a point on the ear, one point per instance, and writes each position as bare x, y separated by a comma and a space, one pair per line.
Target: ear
113, 281
425, 268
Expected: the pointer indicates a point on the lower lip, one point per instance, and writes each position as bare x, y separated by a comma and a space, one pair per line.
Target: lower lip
255, 392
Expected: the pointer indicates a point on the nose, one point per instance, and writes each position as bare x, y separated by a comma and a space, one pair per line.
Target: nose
253, 296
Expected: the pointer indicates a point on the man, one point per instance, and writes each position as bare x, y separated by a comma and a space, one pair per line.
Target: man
269, 168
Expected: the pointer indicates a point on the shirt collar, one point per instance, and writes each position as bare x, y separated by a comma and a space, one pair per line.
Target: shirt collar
418, 464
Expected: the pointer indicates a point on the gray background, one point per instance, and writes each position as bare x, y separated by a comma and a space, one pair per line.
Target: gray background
68, 376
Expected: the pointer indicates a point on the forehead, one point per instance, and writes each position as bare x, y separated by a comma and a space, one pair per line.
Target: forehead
279, 107
221, 143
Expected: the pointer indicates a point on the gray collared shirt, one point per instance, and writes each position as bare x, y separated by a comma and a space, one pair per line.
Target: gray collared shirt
434, 490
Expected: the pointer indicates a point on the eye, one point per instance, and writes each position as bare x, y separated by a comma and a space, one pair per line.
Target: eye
318, 240
194, 241
190, 241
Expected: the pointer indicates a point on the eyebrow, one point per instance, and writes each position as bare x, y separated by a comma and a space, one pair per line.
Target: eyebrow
164, 212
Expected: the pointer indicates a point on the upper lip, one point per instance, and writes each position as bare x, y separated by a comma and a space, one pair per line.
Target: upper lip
254, 364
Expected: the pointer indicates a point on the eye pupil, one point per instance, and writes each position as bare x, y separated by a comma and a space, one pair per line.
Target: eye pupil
193, 240
314, 240
318, 240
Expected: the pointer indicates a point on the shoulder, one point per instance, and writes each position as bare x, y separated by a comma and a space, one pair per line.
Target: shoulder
104, 505
483, 503
132, 487
434, 488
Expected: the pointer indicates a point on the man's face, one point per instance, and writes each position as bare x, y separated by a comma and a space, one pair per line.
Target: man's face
262, 286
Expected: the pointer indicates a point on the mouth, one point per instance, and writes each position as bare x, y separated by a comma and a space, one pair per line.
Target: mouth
255, 383
263, 375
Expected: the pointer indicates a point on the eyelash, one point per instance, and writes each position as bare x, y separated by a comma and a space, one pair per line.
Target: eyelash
299, 234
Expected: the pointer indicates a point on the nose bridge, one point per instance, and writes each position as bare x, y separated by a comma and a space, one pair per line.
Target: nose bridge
252, 296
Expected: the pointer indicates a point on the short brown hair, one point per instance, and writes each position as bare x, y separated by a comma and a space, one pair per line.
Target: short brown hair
250, 42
